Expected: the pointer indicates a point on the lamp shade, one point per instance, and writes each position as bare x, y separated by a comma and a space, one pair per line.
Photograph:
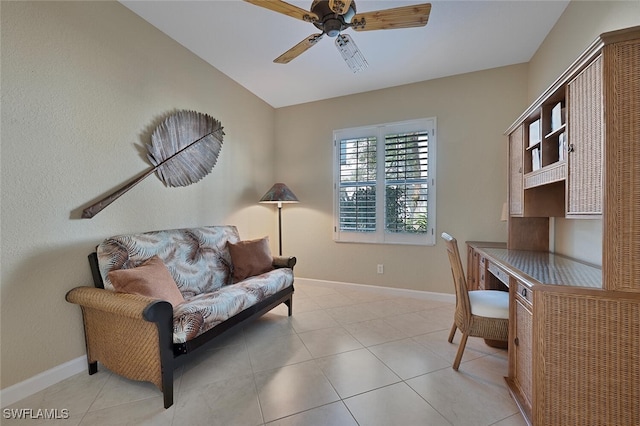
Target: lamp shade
279, 193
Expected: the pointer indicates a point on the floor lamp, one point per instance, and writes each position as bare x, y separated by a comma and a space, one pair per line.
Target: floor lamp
278, 194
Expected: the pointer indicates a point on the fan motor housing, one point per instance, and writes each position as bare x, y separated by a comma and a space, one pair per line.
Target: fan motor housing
330, 22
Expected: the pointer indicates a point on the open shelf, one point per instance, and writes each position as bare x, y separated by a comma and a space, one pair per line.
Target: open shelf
546, 142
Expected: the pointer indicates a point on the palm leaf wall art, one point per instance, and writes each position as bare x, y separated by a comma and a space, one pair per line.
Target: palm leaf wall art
184, 148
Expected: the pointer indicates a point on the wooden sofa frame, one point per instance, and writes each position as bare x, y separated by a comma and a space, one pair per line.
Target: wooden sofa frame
132, 335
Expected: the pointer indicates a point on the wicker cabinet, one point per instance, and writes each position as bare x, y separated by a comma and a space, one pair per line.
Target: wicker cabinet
621, 230
584, 180
587, 127
587, 369
583, 344
520, 378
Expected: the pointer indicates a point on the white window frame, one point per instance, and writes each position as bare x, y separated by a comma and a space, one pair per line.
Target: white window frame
380, 235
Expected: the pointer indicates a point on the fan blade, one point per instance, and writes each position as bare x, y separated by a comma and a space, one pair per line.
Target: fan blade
399, 17
350, 53
340, 6
286, 8
298, 49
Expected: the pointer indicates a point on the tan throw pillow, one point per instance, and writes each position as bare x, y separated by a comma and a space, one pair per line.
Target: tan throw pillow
250, 258
151, 278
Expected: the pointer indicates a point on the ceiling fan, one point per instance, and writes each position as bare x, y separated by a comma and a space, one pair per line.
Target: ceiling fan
334, 16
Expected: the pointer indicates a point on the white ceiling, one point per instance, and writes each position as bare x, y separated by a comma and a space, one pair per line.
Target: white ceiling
241, 40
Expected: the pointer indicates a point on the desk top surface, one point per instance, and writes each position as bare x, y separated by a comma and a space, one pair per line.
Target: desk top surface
545, 267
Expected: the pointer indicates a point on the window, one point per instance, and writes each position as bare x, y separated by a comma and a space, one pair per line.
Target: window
384, 183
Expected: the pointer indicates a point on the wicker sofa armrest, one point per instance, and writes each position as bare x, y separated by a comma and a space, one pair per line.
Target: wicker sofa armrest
127, 305
284, 261
130, 334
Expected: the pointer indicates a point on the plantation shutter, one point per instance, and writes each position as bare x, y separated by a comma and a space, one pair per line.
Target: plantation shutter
406, 182
357, 192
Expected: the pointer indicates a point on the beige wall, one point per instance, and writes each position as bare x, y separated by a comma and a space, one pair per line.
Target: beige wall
472, 112
83, 85
576, 29
580, 24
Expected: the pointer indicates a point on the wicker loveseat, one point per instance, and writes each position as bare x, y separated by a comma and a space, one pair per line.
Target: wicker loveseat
138, 336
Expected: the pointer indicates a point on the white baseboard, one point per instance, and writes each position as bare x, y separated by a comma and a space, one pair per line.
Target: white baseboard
41, 381
399, 292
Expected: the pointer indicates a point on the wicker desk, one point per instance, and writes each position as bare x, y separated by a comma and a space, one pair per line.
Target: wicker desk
535, 267
574, 347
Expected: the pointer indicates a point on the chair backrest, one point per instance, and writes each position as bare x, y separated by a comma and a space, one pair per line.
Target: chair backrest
463, 306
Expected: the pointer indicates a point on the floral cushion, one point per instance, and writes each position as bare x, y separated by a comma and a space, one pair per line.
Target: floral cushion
197, 258
205, 311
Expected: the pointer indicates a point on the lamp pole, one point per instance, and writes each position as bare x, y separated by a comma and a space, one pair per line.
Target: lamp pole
280, 228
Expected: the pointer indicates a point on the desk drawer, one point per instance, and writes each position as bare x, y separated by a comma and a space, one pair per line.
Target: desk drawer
524, 292
499, 273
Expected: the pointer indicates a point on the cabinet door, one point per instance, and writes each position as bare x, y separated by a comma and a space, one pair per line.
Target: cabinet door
585, 137
516, 188
621, 235
522, 359
587, 369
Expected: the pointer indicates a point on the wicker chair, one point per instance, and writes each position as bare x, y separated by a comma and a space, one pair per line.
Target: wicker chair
479, 313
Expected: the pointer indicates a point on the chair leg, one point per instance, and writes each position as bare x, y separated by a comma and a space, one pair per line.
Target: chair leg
463, 343
452, 332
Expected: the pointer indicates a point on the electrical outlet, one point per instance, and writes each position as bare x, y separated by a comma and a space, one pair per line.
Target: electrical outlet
380, 268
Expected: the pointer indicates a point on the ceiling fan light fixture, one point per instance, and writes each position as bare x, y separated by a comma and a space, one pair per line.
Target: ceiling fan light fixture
350, 53
332, 27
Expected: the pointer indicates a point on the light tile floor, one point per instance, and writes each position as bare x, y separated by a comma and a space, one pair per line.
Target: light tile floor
346, 357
